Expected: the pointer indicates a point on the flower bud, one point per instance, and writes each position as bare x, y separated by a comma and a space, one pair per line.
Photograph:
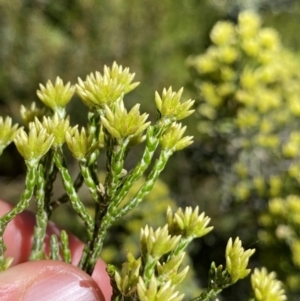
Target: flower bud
56, 96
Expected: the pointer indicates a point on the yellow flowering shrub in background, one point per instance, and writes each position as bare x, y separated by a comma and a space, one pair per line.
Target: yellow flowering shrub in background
248, 110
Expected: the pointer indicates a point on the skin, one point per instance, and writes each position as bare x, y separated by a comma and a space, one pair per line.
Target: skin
46, 280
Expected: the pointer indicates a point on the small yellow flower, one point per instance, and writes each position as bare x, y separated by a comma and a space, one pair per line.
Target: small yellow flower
268, 38
169, 270
34, 145
172, 138
248, 24
266, 287
79, 143
29, 114
248, 79
207, 111
122, 124
56, 96
154, 292
237, 260
205, 63
7, 132
58, 127
223, 33
169, 104
259, 184
157, 243
188, 223
277, 207
100, 89
228, 54
128, 278
209, 93
275, 185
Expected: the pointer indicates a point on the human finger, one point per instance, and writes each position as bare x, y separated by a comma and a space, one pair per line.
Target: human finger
47, 280
18, 238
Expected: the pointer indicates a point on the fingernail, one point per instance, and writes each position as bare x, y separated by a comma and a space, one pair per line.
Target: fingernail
61, 288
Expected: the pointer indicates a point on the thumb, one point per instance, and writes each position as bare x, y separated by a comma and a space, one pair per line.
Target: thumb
47, 280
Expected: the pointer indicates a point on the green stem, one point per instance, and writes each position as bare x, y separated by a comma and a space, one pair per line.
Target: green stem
50, 176
147, 187
152, 140
114, 170
65, 198
149, 267
23, 204
88, 180
94, 129
182, 245
76, 203
109, 218
37, 252
89, 262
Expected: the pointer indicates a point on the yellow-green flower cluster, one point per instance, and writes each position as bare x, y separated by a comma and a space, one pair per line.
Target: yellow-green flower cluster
291, 148
79, 143
237, 260
266, 287
157, 243
105, 89
168, 271
58, 128
29, 114
258, 106
157, 273
56, 96
255, 50
169, 105
281, 226
172, 138
154, 292
34, 144
128, 278
7, 132
282, 218
188, 223
122, 124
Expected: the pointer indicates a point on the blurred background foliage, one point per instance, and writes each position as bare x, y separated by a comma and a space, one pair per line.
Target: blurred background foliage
244, 163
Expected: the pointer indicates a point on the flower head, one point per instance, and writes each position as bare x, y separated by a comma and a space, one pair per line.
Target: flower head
155, 292
266, 287
188, 223
248, 24
172, 138
29, 114
237, 260
128, 278
169, 270
79, 143
56, 96
100, 89
157, 243
122, 124
58, 127
169, 104
223, 33
7, 132
34, 145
